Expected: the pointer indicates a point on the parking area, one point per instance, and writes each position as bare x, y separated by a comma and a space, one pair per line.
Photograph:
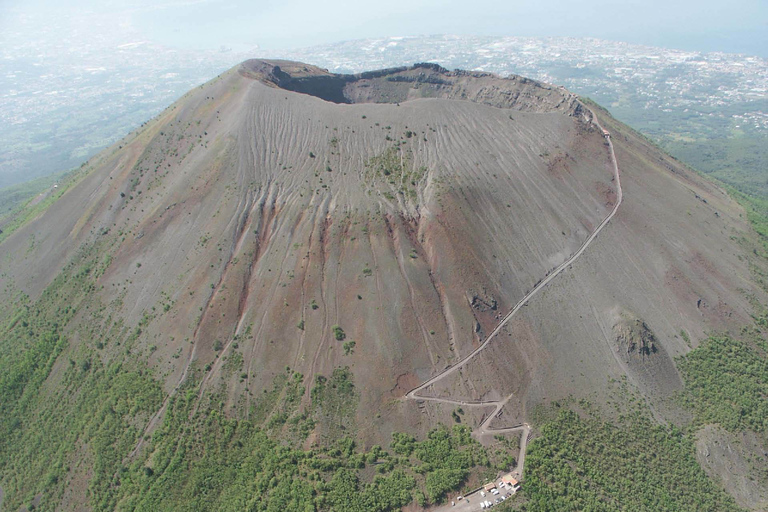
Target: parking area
481, 499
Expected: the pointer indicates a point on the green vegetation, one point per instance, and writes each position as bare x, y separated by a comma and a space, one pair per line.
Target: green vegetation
212, 462
60, 405
709, 138
394, 168
584, 462
234, 363
726, 382
444, 465
501, 453
203, 458
757, 214
23, 202
275, 406
738, 161
14, 196
338, 333
726, 378
79, 409
334, 403
199, 458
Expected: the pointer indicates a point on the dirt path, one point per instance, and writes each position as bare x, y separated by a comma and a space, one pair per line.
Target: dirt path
484, 429
525, 430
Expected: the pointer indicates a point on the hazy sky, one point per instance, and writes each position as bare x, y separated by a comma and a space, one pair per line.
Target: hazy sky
706, 25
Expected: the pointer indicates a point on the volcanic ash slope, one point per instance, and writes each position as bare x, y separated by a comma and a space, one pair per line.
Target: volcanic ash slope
411, 208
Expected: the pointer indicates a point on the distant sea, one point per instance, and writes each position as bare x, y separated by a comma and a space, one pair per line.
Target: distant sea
240, 28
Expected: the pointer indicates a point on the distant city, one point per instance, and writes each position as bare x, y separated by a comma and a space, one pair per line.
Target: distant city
63, 100
618, 75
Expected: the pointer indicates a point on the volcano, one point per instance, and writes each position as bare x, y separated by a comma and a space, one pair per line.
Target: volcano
445, 238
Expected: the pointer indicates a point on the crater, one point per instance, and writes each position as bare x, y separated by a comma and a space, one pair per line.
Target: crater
400, 84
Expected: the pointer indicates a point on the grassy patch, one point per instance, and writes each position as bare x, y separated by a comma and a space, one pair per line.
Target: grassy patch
22, 210
13, 197
738, 161
394, 170
334, 403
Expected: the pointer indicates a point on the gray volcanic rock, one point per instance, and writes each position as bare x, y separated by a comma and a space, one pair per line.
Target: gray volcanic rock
422, 80
411, 207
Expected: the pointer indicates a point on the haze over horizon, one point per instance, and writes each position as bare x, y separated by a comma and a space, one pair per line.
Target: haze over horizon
735, 27
74, 78
523, 257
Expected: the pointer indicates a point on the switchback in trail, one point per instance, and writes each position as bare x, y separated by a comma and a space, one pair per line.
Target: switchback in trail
484, 428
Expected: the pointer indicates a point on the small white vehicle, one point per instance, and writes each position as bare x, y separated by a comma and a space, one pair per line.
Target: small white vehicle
482, 504
494, 491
